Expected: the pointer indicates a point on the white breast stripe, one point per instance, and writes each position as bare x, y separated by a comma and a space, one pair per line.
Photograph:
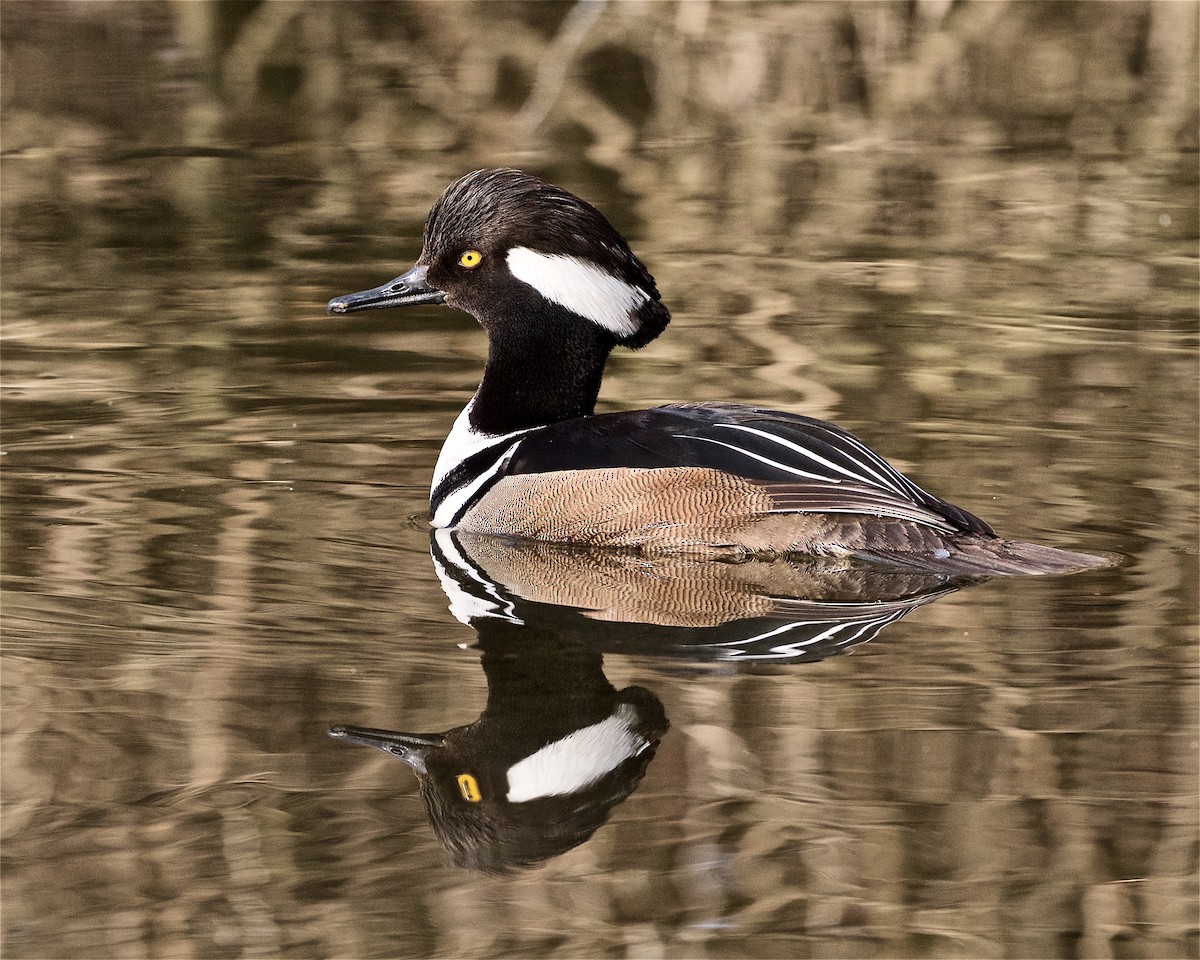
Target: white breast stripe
755, 456
456, 499
463, 442
812, 456
580, 286
578, 759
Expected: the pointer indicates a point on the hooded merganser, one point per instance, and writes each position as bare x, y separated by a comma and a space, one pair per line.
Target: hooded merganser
555, 750
790, 610
556, 287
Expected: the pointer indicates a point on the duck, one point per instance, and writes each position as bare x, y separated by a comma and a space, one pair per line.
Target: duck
556, 289
792, 610
555, 750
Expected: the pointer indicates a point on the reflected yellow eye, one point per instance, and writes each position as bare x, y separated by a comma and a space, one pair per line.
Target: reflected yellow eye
470, 259
468, 786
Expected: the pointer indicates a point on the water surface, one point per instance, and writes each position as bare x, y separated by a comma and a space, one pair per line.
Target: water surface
215, 542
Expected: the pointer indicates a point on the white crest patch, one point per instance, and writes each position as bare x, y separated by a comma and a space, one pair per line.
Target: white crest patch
578, 759
581, 287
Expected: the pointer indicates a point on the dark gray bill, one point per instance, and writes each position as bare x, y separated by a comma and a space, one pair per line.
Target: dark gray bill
407, 290
409, 747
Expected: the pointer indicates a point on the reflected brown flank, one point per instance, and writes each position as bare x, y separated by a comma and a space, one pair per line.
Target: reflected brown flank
966, 231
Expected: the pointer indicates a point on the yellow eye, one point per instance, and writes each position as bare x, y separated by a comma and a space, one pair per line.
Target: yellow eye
470, 259
468, 786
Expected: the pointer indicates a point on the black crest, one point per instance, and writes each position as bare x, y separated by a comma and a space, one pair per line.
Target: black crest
504, 208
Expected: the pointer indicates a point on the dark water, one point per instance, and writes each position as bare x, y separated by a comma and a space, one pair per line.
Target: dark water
214, 497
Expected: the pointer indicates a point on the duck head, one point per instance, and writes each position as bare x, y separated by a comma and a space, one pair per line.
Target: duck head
509, 248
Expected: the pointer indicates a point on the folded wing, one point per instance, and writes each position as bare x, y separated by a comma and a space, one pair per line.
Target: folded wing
804, 465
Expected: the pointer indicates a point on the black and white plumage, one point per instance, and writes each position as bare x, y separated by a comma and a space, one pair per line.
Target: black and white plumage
555, 749
789, 611
556, 288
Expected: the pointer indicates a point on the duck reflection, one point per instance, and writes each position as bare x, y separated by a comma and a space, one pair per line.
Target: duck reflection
557, 746
795, 610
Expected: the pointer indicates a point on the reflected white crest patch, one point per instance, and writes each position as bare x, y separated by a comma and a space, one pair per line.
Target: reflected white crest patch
578, 759
581, 287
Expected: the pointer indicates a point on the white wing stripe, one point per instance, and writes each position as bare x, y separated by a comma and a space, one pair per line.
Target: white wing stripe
821, 460
859, 627
891, 471
791, 625
755, 456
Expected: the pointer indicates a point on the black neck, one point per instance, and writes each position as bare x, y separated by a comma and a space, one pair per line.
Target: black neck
540, 371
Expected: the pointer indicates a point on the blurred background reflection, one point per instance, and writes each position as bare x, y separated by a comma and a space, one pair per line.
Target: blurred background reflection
966, 231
